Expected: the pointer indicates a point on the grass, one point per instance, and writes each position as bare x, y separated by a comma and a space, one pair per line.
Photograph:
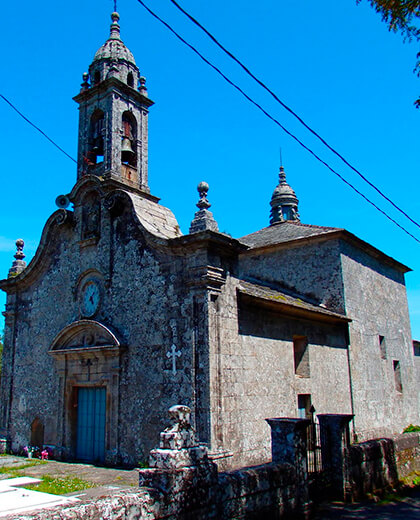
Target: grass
412, 480
16, 471
60, 485
49, 484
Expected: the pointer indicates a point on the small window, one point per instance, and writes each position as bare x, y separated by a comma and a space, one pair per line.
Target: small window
96, 77
287, 212
130, 79
382, 346
397, 376
301, 355
416, 348
304, 406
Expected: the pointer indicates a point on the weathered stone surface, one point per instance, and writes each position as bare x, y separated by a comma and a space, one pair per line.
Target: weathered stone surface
117, 299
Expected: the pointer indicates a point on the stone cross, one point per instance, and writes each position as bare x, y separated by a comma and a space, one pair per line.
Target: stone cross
173, 353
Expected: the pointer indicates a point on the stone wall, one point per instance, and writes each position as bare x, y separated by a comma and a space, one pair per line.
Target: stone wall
378, 465
182, 483
267, 490
309, 269
253, 374
146, 303
376, 301
407, 453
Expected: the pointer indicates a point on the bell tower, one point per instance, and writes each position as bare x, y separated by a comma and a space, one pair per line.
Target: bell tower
113, 113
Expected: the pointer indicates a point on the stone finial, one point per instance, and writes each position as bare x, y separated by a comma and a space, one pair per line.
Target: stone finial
19, 263
178, 447
203, 219
115, 26
142, 87
85, 85
284, 203
180, 434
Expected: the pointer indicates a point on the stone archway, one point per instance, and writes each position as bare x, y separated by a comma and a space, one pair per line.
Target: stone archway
87, 355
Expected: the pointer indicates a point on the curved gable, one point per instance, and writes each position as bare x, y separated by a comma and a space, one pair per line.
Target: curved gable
84, 336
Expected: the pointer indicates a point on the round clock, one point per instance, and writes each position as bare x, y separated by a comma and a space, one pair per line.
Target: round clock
91, 296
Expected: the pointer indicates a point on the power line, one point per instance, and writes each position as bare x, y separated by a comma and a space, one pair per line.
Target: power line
37, 128
264, 86
274, 119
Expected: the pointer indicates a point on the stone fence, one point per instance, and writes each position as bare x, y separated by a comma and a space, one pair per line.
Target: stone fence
182, 483
378, 465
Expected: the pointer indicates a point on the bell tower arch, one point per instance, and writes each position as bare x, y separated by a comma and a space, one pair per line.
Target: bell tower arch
113, 116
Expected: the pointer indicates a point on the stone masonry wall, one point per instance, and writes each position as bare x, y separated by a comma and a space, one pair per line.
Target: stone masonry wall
309, 269
376, 301
377, 465
182, 483
144, 302
253, 375
263, 491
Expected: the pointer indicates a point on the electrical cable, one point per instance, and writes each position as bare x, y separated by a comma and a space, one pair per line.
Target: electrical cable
157, 17
37, 128
264, 86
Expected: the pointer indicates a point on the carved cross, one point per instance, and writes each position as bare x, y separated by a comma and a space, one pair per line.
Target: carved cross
173, 353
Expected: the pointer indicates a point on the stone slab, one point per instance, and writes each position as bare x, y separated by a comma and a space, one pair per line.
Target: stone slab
18, 482
16, 500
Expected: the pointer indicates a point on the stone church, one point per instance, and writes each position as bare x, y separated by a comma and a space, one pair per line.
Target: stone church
120, 316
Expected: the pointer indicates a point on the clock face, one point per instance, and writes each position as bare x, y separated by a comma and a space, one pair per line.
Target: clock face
91, 296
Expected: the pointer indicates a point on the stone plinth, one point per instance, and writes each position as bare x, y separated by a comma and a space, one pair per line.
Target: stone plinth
335, 437
289, 446
289, 441
180, 467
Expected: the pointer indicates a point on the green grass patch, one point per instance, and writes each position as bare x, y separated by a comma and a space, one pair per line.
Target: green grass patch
60, 485
18, 470
412, 480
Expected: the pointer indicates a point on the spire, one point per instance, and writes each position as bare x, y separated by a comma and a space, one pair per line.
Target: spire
19, 263
203, 219
115, 27
284, 203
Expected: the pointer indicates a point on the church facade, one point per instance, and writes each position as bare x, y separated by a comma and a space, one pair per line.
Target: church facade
120, 316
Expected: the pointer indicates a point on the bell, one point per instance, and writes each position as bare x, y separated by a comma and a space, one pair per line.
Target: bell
127, 153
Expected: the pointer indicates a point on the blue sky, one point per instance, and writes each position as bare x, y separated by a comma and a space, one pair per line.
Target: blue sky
335, 63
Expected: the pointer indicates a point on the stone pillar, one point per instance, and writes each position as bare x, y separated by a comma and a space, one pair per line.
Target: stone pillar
335, 440
289, 446
180, 468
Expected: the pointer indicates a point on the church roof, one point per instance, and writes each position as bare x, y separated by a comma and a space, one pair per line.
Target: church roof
287, 303
284, 232
156, 219
114, 48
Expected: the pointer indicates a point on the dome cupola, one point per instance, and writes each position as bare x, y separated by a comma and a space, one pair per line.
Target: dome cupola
284, 203
114, 59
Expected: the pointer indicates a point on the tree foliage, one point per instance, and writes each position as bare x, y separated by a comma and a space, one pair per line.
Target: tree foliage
401, 16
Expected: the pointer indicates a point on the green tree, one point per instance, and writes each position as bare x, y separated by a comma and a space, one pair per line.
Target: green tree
401, 16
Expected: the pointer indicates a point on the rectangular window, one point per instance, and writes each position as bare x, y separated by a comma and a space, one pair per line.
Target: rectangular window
382, 346
304, 406
397, 376
416, 348
301, 356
